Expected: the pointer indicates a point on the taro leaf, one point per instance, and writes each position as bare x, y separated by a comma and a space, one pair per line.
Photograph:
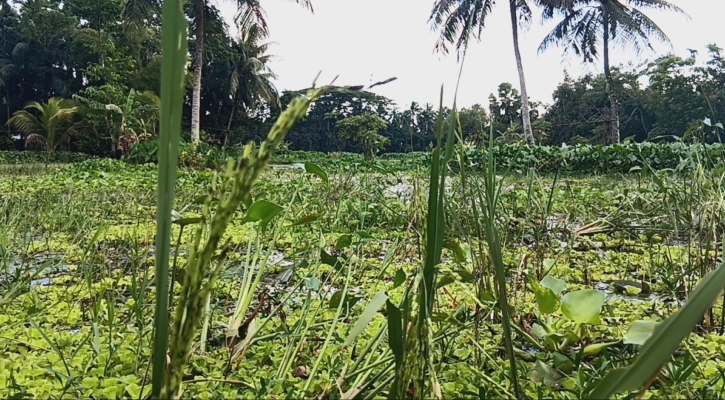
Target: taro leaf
639, 332
367, 316
307, 219
556, 285
314, 169
543, 373
583, 306
546, 299
343, 242
332, 261
596, 348
263, 211
399, 278
665, 339
350, 301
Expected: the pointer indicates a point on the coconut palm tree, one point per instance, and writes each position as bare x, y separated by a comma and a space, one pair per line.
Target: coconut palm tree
459, 20
586, 22
254, 9
50, 128
250, 79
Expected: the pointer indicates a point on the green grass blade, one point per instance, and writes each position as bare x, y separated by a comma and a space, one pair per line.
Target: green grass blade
664, 340
173, 69
367, 316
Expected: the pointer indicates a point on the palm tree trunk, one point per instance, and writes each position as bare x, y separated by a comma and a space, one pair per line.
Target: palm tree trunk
198, 66
614, 112
525, 115
229, 126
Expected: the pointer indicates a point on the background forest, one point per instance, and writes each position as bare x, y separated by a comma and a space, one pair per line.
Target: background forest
103, 58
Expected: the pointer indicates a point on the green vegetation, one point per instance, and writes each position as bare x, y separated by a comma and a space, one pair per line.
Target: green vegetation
83, 275
105, 56
479, 266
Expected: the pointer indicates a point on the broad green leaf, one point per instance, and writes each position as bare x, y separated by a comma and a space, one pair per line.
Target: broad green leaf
395, 332
459, 253
546, 299
262, 211
364, 235
639, 332
350, 301
543, 373
556, 285
665, 339
316, 170
399, 278
312, 283
330, 260
343, 241
562, 363
307, 219
367, 316
583, 306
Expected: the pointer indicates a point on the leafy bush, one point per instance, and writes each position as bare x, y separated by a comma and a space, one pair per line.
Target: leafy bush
32, 157
585, 159
622, 158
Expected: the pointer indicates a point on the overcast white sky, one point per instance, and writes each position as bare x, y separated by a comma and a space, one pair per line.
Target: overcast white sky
365, 41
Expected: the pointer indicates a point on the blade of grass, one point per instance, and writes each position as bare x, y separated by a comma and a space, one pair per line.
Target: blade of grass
173, 69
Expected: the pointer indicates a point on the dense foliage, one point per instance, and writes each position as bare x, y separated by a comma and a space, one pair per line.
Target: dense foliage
95, 55
77, 291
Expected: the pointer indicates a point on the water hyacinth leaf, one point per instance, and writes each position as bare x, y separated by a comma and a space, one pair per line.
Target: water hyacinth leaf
262, 211
556, 285
563, 363
639, 332
583, 306
367, 316
312, 283
399, 278
343, 241
545, 374
665, 339
316, 170
539, 331
307, 219
546, 299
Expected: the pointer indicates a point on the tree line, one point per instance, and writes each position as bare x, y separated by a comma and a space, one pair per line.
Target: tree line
85, 75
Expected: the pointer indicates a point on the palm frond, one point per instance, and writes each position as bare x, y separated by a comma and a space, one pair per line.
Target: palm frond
25, 122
